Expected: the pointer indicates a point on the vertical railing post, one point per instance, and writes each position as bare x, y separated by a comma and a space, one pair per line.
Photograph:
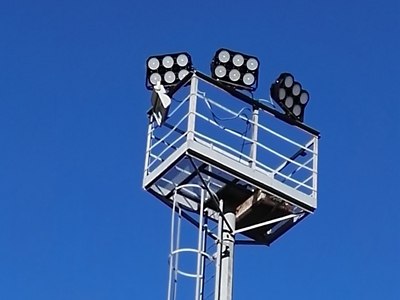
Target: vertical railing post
254, 137
315, 167
192, 107
148, 146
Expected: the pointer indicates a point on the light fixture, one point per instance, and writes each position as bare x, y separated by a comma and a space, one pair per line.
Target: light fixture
167, 69
236, 69
290, 96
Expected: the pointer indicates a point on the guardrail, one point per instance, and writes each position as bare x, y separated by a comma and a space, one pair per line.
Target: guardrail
195, 115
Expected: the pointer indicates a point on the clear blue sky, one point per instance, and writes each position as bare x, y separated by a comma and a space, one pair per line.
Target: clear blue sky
74, 221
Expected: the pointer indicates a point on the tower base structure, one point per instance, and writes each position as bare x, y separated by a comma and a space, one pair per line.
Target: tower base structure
239, 171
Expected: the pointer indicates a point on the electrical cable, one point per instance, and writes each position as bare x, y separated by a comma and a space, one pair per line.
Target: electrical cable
241, 112
269, 101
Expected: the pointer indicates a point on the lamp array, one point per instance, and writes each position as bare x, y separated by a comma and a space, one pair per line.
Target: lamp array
168, 69
236, 69
290, 96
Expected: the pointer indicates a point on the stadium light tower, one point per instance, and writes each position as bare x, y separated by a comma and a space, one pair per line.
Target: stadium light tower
228, 195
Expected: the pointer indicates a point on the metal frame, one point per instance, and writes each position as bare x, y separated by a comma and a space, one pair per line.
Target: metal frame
181, 156
200, 145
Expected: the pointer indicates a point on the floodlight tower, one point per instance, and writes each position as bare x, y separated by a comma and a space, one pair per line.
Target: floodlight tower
197, 163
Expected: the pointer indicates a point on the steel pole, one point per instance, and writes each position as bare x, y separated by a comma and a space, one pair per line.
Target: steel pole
228, 244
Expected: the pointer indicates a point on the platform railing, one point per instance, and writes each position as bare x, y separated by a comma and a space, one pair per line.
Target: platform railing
155, 139
159, 145
244, 158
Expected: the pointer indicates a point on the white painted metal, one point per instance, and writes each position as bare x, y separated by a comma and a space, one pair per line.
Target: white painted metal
192, 108
255, 175
168, 147
315, 167
254, 138
241, 230
258, 163
176, 251
227, 252
148, 147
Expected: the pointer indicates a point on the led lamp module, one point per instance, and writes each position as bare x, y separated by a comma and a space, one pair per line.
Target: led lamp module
235, 69
167, 69
290, 96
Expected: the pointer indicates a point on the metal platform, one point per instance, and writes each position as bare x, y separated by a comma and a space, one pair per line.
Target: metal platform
238, 152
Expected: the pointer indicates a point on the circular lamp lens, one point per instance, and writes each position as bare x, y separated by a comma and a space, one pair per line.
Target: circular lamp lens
304, 97
297, 110
154, 78
238, 60
224, 56
153, 63
182, 60
182, 74
289, 102
288, 81
168, 62
252, 64
220, 71
296, 89
234, 75
282, 94
169, 77
248, 79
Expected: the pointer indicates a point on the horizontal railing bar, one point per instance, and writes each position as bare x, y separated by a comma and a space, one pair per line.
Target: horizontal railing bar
233, 113
226, 147
284, 176
163, 142
307, 180
179, 106
245, 156
298, 168
286, 163
255, 142
176, 167
169, 133
156, 157
305, 164
173, 143
272, 151
285, 138
257, 124
226, 129
265, 167
283, 156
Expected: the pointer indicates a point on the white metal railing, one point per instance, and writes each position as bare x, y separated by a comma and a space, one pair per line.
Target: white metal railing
201, 95
258, 144
164, 139
307, 182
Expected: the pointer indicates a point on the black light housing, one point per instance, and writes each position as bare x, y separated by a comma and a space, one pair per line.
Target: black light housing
167, 69
290, 96
235, 69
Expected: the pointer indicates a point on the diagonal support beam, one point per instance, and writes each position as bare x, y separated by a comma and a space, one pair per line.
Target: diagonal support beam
265, 223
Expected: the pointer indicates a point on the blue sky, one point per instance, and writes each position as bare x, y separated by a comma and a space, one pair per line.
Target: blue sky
74, 221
